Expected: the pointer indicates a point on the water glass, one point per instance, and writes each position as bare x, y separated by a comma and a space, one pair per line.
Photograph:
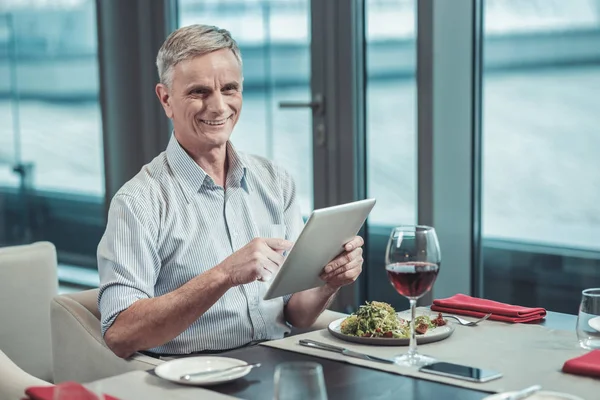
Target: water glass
299, 381
97, 390
588, 319
65, 392
75, 392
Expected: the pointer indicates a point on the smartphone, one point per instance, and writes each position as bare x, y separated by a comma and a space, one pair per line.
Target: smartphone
461, 372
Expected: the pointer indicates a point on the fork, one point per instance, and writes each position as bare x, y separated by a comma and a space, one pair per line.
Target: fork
468, 323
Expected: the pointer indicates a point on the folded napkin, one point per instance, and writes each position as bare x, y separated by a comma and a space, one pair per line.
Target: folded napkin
475, 307
47, 392
587, 364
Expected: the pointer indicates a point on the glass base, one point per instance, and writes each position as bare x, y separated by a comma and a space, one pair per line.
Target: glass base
413, 360
590, 343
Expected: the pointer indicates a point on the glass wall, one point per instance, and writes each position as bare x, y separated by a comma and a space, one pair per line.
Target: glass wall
49, 94
391, 131
541, 137
274, 38
51, 160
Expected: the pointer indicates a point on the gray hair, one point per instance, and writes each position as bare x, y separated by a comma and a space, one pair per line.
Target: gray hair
189, 42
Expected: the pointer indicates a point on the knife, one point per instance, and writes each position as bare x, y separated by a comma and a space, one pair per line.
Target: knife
344, 351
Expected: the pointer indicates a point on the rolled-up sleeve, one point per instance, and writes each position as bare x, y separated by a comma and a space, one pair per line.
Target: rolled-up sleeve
128, 260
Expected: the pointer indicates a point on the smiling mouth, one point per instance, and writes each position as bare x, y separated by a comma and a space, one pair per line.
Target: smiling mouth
215, 122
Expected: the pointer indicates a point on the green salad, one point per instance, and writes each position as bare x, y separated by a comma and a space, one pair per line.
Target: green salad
378, 319
375, 319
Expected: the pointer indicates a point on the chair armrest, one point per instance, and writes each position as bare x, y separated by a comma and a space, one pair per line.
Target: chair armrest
14, 381
79, 351
322, 322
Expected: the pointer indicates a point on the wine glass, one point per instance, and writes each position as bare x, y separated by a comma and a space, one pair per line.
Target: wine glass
412, 262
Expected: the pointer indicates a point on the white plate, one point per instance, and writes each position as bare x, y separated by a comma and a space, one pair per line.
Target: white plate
173, 370
595, 323
433, 335
543, 395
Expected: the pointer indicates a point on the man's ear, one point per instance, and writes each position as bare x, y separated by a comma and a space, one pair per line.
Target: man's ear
162, 92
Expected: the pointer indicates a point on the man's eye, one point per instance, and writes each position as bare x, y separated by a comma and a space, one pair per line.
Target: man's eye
228, 90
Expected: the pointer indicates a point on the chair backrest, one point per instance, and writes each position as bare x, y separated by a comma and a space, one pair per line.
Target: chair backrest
14, 381
28, 282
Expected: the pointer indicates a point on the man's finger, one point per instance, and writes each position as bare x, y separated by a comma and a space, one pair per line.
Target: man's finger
345, 277
355, 263
275, 257
266, 271
342, 259
264, 275
278, 244
354, 243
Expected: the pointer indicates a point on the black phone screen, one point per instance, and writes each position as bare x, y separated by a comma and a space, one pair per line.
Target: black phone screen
460, 371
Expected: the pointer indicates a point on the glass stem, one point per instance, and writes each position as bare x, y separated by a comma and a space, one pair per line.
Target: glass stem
412, 350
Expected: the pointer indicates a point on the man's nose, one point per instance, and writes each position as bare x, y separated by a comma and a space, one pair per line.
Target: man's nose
216, 103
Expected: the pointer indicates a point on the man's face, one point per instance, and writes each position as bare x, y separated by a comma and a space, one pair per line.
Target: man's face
205, 98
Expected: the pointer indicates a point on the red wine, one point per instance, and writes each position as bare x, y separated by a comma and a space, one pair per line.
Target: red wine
412, 279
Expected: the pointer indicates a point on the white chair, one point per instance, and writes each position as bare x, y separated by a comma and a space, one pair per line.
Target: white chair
28, 282
79, 351
14, 381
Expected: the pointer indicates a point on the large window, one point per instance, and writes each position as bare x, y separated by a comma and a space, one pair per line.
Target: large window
51, 168
274, 39
391, 130
541, 138
49, 93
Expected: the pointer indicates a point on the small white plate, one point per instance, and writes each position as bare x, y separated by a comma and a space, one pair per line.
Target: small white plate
173, 370
595, 323
543, 395
432, 335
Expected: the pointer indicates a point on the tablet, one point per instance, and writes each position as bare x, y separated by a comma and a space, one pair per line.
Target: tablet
321, 240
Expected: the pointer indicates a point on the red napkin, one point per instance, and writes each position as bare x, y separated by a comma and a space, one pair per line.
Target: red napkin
475, 307
587, 364
47, 392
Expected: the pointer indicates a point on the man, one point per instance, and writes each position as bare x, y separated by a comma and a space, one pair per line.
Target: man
192, 240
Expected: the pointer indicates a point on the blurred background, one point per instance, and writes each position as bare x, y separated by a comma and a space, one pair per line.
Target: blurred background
540, 131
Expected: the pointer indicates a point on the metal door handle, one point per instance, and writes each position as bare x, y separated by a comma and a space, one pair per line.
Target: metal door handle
317, 104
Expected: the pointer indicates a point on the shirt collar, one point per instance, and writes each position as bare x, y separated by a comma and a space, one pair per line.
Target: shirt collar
236, 176
192, 177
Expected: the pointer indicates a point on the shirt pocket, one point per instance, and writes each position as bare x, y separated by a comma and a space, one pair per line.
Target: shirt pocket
272, 231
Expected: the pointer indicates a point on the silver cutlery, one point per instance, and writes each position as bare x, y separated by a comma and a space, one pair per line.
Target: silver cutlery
343, 350
523, 394
467, 323
187, 377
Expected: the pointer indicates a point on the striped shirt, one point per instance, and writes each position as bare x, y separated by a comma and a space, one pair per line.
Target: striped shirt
171, 222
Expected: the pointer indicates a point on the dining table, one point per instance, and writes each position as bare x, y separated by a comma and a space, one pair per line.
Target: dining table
342, 380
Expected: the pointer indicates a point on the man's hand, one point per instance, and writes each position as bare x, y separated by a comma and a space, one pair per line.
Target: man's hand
258, 260
345, 268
